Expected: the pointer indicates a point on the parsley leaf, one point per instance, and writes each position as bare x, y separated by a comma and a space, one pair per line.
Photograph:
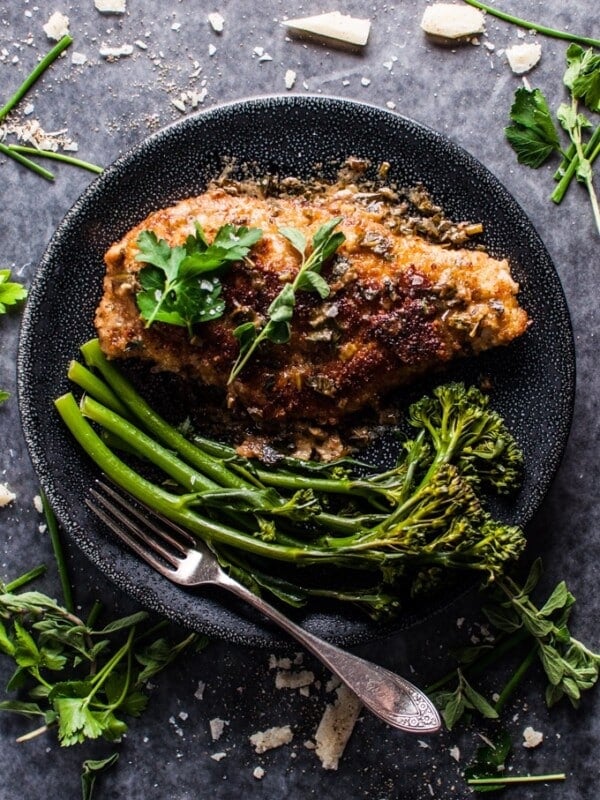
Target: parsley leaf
278, 329
582, 76
180, 285
10, 293
532, 135
489, 762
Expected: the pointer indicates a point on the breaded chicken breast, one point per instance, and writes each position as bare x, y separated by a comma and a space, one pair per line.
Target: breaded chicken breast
399, 306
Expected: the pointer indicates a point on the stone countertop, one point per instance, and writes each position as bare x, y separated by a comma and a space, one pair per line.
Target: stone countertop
107, 106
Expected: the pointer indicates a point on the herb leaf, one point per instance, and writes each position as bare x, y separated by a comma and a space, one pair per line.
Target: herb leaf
90, 771
180, 285
10, 293
582, 76
532, 135
277, 329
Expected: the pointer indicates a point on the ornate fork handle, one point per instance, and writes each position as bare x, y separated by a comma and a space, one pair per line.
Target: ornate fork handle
390, 697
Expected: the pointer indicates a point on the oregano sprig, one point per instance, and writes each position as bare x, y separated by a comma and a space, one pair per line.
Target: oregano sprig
277, 328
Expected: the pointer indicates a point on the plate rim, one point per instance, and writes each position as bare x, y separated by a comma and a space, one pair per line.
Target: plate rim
263, 636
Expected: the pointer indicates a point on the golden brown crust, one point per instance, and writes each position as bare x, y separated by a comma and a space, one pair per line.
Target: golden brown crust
399, 306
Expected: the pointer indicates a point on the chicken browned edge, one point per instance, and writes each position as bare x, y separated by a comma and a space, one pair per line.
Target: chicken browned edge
399, 306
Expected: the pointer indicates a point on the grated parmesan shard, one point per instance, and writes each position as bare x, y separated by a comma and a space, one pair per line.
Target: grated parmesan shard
336, 726
451, 21
523, 57
337, 26
271, 738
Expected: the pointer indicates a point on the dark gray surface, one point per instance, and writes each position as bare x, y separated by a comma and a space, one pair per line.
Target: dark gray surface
466, 93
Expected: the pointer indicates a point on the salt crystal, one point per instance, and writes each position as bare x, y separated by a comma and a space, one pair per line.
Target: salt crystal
37, 504
391, 105
199, 693
211, 49
365, 81
258, 773
78, 59
218, 756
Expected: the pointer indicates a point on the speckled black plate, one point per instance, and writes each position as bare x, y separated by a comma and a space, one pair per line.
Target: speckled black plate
533, 378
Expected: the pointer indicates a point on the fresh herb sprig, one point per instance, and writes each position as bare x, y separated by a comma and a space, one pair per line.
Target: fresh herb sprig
487, 771
533, 26
11, 293
534, 136
78, 679
277, 328
181, 285
570, 667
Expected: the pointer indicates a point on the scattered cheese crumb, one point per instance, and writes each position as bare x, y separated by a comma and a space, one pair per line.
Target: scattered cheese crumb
217, 726
183, 715
37, 504
78, 59
391, 105
199, 693
6, 496
285, 679
279, 663
290, 78
258, 773
271, 738
450, 21
218, 756
532, 738
365, 81
57, 26
336, 726
523, 57
309, 744
334, 25
142, 45
112, 53
216, 21
110, 6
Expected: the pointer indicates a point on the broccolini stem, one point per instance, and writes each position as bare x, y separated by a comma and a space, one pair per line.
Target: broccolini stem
153, 422
98, 389
172, 506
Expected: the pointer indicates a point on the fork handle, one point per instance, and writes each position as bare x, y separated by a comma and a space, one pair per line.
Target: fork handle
390, 697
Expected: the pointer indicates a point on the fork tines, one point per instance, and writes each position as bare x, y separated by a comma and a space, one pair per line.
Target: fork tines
141, 530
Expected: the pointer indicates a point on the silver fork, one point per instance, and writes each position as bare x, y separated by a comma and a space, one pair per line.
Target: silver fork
186, 560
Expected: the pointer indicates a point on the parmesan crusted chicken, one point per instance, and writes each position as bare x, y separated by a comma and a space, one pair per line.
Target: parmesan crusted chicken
398, 306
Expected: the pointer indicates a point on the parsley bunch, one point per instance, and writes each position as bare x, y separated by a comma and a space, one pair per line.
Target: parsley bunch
277, 328
180, 285
535, 137
79, 679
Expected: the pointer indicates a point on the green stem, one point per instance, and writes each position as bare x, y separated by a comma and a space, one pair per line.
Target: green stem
26, 162
74, 162
96, 387
153, 422
172, 506
534, 26
94, 614
591, 152
24, 579
59, 555
35, 74
480, 666
516, 679
557, 776
104, 673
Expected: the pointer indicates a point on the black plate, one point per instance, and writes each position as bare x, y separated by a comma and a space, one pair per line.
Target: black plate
533, 378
